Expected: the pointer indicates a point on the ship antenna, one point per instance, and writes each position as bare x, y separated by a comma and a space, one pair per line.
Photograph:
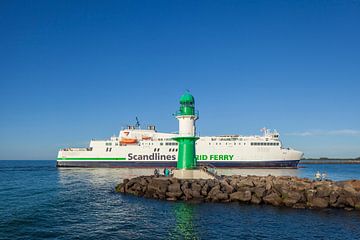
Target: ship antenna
137, 125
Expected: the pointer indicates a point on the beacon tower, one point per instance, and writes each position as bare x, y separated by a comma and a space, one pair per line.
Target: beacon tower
187, 131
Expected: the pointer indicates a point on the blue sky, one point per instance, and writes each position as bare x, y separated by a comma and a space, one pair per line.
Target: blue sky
71, 71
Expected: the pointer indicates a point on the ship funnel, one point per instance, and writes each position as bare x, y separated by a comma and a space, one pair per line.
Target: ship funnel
151, 127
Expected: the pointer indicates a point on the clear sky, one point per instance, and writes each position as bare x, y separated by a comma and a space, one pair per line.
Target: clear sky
71, 71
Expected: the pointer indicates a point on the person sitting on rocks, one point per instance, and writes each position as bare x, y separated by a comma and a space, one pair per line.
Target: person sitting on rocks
156, 172
166, 172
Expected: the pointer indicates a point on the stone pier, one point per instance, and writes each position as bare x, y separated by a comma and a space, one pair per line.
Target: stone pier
286, 191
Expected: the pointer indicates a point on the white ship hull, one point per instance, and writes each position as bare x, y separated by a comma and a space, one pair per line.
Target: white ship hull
148, 148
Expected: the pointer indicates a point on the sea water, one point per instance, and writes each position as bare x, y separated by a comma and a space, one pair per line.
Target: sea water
40, 201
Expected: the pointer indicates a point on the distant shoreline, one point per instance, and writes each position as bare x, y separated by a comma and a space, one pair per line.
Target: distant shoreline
330, 161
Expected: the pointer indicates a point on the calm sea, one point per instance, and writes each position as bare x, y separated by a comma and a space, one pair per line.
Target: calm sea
39, 201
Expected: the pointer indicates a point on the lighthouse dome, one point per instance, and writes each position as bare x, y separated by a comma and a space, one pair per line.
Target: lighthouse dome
187, 98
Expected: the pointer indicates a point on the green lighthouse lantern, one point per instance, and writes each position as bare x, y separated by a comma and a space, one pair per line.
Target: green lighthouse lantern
187, 104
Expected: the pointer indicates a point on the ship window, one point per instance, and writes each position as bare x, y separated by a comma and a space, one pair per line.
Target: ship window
108, 144
110, 149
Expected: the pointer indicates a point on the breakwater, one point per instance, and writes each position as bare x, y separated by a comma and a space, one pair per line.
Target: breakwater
273, 190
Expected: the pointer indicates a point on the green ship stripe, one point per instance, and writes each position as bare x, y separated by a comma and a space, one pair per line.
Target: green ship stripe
91, 158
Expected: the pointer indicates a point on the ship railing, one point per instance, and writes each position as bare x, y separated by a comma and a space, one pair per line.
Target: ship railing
78, 149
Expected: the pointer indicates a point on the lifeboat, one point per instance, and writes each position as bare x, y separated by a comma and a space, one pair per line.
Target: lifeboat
128, 140
146, 138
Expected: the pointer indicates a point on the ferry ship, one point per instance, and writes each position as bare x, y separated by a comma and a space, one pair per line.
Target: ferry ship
136, 147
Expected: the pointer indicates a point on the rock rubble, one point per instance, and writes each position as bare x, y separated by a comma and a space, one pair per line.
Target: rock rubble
278, 191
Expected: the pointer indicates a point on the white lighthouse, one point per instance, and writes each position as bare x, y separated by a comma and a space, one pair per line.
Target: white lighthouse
186, 164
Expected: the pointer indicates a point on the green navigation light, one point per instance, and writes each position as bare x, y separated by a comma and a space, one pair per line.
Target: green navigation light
187, 104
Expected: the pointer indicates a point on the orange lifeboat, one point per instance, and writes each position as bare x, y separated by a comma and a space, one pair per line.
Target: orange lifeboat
128, 140
146, 138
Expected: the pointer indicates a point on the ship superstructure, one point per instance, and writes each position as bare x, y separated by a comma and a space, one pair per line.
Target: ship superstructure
136, 147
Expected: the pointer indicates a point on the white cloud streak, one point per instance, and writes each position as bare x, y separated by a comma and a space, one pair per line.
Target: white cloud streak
341, 132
